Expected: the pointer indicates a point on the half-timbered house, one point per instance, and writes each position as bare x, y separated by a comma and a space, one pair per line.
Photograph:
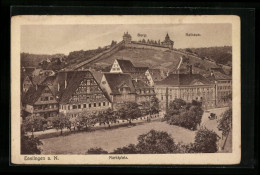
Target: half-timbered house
81, 93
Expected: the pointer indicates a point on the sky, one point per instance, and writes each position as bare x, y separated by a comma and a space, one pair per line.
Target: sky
53, 39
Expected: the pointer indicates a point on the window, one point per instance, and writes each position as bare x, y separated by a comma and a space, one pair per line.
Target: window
89, 105
69, 107
104, 103
85, 105
95, 104
79, 106
99, 104
74, 106
161, 97
51, 98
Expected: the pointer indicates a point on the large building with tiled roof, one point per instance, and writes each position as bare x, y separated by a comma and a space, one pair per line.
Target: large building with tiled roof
119, 87
39, 99
122, 88
80, 92
126, 66
223, 84
187, 87
73, 92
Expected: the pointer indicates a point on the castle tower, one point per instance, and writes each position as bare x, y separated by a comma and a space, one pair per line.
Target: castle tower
127, 38
168, 42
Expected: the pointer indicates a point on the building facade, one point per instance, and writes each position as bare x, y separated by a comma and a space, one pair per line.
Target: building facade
82, 94
39, 99
126, 66
119, 88
223, 85
187, 87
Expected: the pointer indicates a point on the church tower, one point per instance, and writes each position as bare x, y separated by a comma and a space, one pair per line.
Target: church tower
168, 42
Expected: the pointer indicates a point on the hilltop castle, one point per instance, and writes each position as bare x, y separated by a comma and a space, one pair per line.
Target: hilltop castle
167, 43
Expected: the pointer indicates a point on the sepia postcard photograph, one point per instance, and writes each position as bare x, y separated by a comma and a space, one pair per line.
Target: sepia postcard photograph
128, 90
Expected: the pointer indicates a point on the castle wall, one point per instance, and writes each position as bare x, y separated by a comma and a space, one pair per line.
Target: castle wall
145, 46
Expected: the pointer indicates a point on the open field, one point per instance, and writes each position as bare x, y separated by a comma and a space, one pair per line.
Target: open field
109, 140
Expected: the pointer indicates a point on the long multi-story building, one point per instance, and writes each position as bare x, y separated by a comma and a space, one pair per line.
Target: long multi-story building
187, 87
68, 92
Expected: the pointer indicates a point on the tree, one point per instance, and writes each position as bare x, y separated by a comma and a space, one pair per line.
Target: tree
96, 151
176, 106
155, 142
33, 122
129, 111
225, 123
205, 141
86, 120
154, 105
30, 145
187, 115
130, 149
60, 122
107, 117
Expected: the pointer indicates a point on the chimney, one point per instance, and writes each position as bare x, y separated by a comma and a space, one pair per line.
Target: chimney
58, 86
135, 79
190, 69
36, 87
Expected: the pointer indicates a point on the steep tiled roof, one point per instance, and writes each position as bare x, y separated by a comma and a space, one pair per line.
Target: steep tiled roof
33, 94
155, 74
126, 65
72, 85
116, 80
74, 78
183, 79
98, 75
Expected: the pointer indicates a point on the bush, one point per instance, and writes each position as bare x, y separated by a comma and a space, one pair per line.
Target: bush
96, 151
130, 149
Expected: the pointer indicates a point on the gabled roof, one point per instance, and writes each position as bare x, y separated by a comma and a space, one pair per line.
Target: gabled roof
126, 65
97, 75
155, 74
33, 94
74, 78
72, 85
183, 80
115, 80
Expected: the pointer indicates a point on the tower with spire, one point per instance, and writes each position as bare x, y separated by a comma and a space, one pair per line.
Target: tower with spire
168, 42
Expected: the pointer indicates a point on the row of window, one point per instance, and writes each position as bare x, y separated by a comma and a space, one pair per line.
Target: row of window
46, 98
159, 90
80, 106
44, 107
115, 69
224, 87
